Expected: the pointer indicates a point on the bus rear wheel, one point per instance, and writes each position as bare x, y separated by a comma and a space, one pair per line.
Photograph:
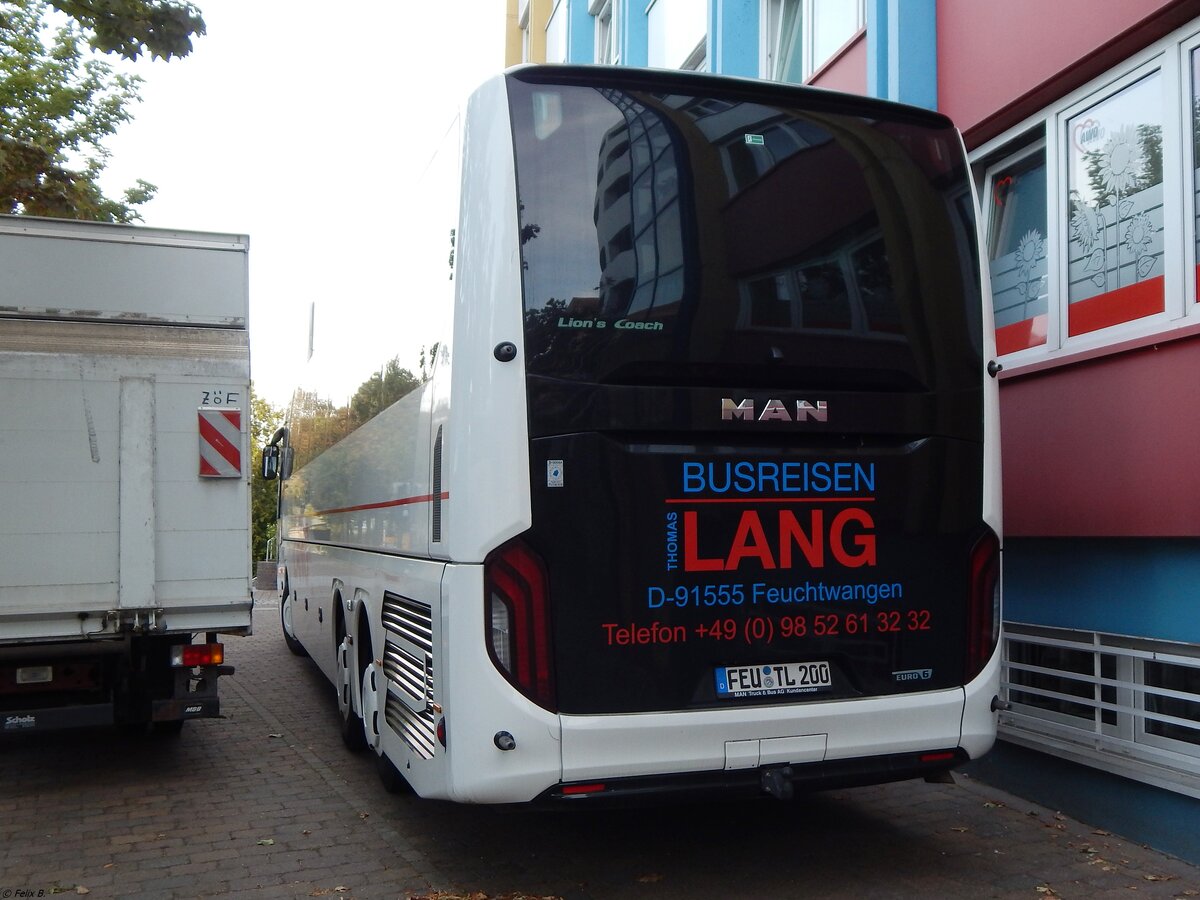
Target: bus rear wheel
354, 736
285, 623
393, 781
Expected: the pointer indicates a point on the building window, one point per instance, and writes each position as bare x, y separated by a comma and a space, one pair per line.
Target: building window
781, 41
1115, 208
828, 26
607, 31
800, 36
523, 24
556, 34
1016, 200
1125, 704
676, 34
1094, 222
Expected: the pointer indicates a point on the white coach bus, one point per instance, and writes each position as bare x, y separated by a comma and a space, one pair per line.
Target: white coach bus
702, 493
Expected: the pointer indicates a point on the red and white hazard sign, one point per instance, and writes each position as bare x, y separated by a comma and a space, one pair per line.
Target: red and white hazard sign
220, 442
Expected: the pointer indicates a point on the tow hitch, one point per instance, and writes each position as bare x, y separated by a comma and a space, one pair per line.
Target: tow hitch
777, 781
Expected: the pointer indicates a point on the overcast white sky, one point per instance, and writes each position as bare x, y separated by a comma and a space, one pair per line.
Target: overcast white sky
303, 125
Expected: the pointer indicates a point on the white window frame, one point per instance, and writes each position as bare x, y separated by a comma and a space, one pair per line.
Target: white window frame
769, 12
697, 60
1170, 57
1186, 144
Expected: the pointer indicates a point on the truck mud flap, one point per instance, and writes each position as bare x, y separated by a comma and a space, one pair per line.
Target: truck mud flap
25, 721
187, 708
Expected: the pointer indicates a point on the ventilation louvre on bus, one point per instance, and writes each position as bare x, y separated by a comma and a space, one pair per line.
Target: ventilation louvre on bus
983, 615
517, 617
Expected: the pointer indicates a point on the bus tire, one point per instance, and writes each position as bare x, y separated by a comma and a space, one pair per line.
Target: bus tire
293, 645
354, 736
393, 781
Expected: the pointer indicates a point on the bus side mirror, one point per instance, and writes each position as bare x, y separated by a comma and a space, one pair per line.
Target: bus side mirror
270, 462
277, 457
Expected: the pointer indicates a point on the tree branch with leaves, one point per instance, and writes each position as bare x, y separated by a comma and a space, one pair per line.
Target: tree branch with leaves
58, 102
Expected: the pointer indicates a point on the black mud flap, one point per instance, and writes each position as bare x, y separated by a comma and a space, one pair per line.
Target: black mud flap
200, 703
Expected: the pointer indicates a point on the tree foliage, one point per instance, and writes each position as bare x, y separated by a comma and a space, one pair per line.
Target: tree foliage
264, 419
58, 103
315, 424
163, 28
381, 390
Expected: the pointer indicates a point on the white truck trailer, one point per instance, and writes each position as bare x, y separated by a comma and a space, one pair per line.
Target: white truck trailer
124, 472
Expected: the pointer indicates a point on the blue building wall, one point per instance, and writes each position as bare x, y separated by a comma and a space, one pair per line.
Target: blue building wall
902, 69
635, 31
1137, 812
1091, 584
733, 41
581, 33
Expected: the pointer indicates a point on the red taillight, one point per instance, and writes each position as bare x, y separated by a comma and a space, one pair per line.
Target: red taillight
189, 655
983, 613
517, 619
574, 790
944, 756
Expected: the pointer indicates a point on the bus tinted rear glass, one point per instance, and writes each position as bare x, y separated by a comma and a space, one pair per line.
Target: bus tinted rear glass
671, 239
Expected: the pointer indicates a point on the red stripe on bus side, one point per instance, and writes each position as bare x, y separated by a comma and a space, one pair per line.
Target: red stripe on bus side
386, 504
694, 500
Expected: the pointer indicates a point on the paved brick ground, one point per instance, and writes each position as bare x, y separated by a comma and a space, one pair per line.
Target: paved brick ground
266, 803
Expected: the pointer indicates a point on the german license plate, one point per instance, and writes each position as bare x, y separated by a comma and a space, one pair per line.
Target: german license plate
35, 675
769, 680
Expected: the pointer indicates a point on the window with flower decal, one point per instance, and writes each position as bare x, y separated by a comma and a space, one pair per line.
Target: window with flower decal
1086, 204
1017, 250
1115, 209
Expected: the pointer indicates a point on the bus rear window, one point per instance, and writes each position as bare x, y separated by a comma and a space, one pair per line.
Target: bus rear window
683, 239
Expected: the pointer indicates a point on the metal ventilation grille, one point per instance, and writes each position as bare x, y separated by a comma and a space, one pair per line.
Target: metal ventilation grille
410, 619
411, 675
419, 730
408, 669
436, 525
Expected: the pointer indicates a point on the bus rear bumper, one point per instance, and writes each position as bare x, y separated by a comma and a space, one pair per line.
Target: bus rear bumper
838, 742
780, 781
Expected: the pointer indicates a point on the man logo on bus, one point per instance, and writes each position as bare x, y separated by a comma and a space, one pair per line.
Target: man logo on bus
775, 410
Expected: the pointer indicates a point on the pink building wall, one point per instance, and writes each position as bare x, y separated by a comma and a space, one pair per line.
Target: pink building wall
999, 62
847, 71
1105, 447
